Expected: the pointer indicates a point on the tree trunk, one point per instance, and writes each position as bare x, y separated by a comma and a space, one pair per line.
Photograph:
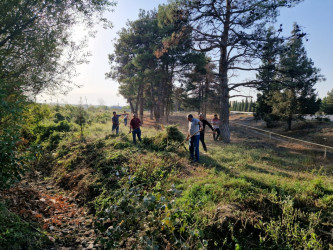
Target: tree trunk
169, 102
157, 107
131, 105
206, 97
141, 103
224, 88
289, 122
152, 101
137, 101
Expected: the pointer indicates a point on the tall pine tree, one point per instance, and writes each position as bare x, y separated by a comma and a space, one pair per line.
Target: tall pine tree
298, 77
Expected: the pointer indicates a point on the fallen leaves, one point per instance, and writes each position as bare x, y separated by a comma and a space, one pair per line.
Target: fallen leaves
38, 206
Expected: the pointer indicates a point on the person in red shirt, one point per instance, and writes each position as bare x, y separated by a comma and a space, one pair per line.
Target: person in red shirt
135, 128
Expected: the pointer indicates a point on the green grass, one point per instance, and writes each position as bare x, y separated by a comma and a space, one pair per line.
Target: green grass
238, 196
281, 193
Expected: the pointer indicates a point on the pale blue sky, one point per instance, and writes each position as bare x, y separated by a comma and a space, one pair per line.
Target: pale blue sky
315, 16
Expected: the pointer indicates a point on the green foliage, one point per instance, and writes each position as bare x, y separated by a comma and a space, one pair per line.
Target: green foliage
263, 111
80, 117
44, 131
58, 117
15, 159
166, 140
299, 75
18, 234
293, 229
137, 219
327, 103
32, 50
237, 197
15, 151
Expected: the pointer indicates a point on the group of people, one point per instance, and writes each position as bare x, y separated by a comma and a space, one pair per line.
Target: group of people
196, 131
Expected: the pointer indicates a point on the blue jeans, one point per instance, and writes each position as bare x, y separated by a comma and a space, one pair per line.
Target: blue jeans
115, 127
125, 121
138, 133
194, 147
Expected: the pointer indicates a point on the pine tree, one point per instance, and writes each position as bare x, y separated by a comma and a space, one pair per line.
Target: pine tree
327, 103
298, 74
267, 74
246, 105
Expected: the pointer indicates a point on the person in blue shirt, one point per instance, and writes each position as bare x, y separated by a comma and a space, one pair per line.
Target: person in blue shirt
194, 128
115, 122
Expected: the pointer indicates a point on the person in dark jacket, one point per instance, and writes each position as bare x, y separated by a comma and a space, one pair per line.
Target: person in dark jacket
202, 132
135, 128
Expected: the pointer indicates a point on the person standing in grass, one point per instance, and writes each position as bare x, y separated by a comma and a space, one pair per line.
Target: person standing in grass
194, 127
115, 122
135, 128
202, 132
216, 126
125, 119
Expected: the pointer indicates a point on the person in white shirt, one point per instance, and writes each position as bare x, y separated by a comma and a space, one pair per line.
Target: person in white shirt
194, 128
125, 118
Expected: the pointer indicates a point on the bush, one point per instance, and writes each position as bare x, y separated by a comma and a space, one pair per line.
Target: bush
293, 230
44, 131
169, 137
135, 219
14, 150
58, 117
18, 234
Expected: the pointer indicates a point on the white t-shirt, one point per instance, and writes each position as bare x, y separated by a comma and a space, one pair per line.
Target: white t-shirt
194, 126
215, 123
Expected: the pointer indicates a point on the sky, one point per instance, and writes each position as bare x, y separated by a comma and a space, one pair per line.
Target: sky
314, 16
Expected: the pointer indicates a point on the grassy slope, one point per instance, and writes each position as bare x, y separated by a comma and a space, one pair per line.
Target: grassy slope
238, 196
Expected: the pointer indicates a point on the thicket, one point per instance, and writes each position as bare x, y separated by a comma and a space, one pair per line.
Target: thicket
17, 234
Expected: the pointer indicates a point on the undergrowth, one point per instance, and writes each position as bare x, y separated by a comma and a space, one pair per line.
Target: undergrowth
149, 195
18, 234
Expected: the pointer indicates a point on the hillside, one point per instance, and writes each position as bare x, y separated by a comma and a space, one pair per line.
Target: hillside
104, 191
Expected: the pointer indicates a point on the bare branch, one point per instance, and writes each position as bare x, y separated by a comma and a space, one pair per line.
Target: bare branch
247, 96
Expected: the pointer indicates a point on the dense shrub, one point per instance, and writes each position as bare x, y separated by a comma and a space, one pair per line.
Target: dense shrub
18, 234
45, 131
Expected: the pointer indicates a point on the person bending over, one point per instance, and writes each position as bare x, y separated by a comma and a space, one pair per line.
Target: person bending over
194, 126
202, 132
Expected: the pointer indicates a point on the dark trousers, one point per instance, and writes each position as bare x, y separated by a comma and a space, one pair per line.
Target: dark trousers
216, 134
125, 121
202, 139
115, 127
136, 132
194, 147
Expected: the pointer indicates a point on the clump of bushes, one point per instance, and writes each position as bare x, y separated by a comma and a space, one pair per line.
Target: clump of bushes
171, 136
49, 135
18, 234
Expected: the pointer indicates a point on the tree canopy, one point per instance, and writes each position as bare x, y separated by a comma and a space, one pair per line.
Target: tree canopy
234, 32
37, 48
